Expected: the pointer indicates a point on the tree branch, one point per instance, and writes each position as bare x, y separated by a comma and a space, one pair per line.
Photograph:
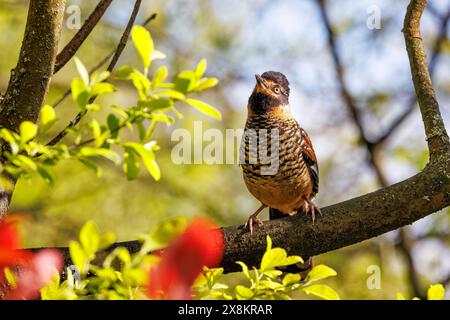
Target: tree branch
29, 81
75, 43
123, 41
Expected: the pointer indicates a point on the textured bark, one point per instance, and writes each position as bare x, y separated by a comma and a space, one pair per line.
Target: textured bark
29, 81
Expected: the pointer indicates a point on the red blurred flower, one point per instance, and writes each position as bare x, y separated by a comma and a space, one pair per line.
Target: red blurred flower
200, 245
33, 270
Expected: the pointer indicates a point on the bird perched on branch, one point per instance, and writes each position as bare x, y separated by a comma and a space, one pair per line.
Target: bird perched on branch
277, 157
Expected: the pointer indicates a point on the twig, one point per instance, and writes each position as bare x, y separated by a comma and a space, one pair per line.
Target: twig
75, 43
100, 64
111, 66
442, 36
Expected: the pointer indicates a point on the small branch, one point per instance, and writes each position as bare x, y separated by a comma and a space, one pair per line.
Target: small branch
123, 41
75, 43
100, 64
437, 138
442, 37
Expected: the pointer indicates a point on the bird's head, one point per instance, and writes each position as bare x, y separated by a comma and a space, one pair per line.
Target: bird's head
271, 92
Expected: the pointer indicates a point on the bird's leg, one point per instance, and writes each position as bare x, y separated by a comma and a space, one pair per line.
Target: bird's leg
254, 219
309, 206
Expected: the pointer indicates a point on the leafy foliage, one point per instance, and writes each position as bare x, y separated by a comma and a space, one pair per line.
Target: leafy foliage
26, 154
435, 292
267, 282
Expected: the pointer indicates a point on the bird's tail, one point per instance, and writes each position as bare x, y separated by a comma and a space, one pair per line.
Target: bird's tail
301, 268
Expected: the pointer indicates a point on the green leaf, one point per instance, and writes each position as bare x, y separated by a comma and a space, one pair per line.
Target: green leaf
28, 131
24, 161
47, 117
243, 292
161, 117
172, 94
206, 83
99, 77
147, 156
159, 77
130, 165
123, 72
84, 74
205, 108
322, 291
102, 88
78, 256
185, 81
200, 68
436, 292
320, 272
155, 104
269, 243
80, 92
244, 269
168, 230
91, 165
106, 239
90, 238
273, 258
100, 152
291, 278
141, 83
45, 174
143, 43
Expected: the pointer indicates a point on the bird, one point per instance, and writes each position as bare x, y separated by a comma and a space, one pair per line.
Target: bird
294, 183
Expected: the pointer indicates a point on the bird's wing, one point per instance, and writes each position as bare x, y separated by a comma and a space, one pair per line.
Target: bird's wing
310, 158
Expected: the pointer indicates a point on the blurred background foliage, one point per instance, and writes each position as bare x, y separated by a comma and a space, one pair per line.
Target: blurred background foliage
239, 39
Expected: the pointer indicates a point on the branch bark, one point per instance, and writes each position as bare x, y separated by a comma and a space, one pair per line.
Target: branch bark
29, 81
123, 41
75, 43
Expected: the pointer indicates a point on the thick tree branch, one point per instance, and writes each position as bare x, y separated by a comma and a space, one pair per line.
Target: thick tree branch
75, 43
123, 41
29, 81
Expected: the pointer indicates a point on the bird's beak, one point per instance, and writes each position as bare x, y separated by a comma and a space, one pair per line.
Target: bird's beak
260, 82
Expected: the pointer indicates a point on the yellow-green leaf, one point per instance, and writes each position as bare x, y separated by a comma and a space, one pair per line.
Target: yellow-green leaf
143, 43
322, 291
205, 108
82, 71
28, 131
273, 258
90, 237
291, 278
200, 68
243, 292
47, 115
320, 272
436, 292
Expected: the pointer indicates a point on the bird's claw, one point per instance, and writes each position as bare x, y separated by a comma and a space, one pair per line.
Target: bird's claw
253, 219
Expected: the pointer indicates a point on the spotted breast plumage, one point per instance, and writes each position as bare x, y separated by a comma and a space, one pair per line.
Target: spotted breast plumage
279, 163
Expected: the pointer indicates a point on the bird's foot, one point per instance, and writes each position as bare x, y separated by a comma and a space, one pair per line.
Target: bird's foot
253, 219
310, 207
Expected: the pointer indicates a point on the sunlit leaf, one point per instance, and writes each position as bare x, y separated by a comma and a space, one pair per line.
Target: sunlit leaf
143, 43
436, 292
28, 131
320, 272
205, 108
82, 71
322, 291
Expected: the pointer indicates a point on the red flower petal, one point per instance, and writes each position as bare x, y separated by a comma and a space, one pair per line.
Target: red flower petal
200, 245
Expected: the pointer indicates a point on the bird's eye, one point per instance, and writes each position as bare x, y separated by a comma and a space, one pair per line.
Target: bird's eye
277, 90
